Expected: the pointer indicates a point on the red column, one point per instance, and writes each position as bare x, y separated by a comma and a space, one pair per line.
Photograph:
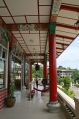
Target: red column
30, 72
45, 70
52, 68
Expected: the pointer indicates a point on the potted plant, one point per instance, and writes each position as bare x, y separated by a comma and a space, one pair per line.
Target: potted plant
10, 100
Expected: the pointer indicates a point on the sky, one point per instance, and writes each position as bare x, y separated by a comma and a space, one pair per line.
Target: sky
70, 57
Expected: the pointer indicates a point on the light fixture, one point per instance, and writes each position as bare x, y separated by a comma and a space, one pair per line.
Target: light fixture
37, 67
34, 49
31, 40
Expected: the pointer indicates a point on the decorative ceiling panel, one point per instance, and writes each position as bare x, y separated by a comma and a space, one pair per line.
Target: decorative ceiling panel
4, 12
43, 35
34, 31
44, 10
34, 48
45, 2
25, 48
25, 7
17, 35
45, 32
23, 32
14, 32
20, 39
1, 3
35, 52
8, 20
19, 19
31, 39
44, 19
36, 57
32, 19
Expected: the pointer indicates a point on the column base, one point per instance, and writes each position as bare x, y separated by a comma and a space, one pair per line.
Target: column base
53, 107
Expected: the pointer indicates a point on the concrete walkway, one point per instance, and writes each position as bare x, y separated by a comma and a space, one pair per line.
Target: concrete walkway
34, 109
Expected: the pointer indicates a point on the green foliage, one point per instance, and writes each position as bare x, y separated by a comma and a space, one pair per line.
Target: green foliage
67, 82
68, 68
69, 93
39, 72
75, 75
60, 67
11, 90
60, 80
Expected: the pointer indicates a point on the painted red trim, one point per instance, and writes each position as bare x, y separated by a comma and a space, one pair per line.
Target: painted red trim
61, 36
26, 19
67, 18
67, 26
70, 8
44, 5
67, 32
57, 43
60, 48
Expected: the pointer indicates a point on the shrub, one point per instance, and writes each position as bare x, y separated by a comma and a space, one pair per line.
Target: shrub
69, 93
67, 82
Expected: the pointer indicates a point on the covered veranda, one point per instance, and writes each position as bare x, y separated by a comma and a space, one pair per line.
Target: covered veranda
43, 29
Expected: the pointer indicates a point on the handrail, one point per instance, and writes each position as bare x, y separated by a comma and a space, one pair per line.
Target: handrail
67, 102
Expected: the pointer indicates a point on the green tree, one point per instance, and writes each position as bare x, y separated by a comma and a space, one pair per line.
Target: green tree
68, 68
60, 67
67, 82
75, 75
39, 72
60, 80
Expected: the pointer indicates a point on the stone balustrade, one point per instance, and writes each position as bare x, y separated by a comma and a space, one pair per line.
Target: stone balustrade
69, 106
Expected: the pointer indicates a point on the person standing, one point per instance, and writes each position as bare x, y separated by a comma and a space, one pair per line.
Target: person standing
36, 81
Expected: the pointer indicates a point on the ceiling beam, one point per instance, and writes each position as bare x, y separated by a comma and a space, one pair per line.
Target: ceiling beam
67, 26
61, 36
37, 54
70, 8
43, 26
60, 48
57, 43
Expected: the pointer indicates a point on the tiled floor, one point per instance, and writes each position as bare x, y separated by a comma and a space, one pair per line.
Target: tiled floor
33, 109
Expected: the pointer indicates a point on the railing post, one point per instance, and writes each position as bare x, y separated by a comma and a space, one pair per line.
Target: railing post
76, 99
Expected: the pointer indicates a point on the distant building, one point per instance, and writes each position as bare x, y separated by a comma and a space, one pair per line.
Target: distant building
64, 72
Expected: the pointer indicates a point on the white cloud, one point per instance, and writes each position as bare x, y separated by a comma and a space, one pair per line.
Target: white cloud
70, 57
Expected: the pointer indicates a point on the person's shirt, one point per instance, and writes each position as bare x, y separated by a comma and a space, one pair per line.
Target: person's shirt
36, 78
